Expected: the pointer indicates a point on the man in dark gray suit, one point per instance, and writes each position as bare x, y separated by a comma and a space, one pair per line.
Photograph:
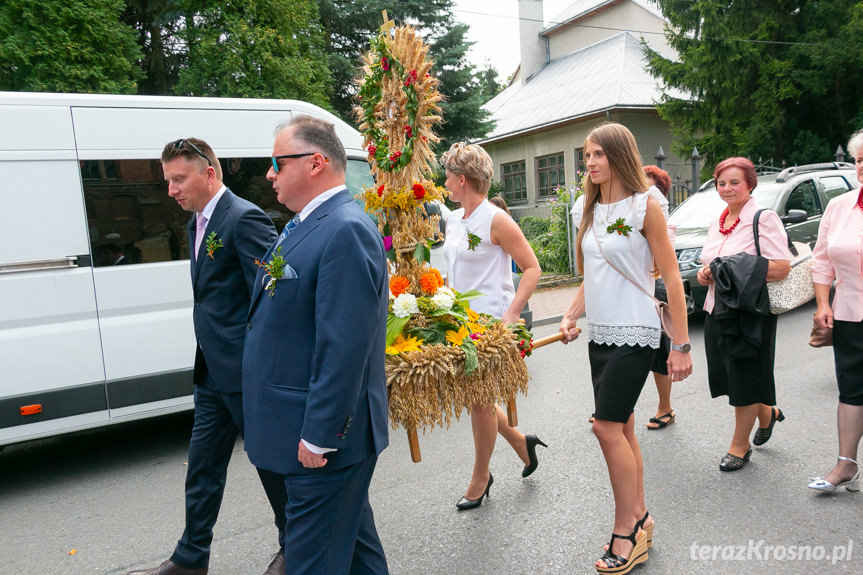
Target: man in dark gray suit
226, 236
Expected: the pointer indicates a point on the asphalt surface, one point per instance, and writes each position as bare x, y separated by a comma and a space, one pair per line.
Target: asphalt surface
115, 496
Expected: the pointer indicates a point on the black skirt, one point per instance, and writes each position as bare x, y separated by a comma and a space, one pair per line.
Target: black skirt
745, 381
848, 357
660, 361
618, 373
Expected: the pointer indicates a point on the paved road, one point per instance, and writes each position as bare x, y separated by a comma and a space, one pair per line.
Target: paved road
116, 495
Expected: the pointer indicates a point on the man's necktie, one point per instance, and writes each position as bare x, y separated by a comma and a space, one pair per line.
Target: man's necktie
291, 225
201, 229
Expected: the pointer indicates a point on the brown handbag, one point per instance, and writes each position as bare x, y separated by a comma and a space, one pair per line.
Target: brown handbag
821, 336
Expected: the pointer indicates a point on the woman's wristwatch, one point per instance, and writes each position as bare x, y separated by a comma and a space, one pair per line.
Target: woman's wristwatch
683, 347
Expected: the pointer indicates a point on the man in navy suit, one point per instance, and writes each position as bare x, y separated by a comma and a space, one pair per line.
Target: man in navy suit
314, 388
226, 236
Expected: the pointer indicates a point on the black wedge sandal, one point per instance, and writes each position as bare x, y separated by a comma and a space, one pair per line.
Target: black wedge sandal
619, 565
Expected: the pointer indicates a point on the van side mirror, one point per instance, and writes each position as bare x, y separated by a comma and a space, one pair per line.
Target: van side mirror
795, 217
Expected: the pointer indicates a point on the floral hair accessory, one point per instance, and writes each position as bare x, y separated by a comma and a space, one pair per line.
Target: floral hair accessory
620, 227
213, 245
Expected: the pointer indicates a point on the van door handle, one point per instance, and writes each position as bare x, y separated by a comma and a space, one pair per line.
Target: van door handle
41, 265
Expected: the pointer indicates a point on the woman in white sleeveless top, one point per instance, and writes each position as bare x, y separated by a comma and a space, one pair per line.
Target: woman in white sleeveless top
623, 232
481, 242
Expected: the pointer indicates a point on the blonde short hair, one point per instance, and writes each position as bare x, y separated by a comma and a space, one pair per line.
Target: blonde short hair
470, 161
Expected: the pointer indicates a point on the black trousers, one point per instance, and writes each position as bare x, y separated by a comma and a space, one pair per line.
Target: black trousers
218, 420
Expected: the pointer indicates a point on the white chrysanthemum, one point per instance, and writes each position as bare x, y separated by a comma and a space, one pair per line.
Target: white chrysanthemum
443, 300
405, 305
446, 291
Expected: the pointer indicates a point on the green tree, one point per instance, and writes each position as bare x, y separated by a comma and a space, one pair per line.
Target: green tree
66, 46
242, 48
348, 26
255, 49
761, 79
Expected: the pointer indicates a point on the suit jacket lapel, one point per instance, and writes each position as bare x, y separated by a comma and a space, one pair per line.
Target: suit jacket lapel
218, 216
296, 236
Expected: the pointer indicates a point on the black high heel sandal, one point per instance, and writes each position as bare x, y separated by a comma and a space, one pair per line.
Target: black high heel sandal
762, 434
464, 503
619, 565
648, 530
532, 441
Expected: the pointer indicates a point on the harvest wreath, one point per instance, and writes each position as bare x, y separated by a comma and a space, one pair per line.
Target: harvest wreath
442, 357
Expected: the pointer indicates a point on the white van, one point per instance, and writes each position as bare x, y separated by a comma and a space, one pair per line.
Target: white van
95, 294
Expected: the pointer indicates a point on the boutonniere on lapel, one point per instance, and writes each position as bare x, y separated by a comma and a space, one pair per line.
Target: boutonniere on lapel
274, 269
473, 241
213, 245
620, 227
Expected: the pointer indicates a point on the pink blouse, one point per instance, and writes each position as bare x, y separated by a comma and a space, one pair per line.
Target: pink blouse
771, 237
839, 254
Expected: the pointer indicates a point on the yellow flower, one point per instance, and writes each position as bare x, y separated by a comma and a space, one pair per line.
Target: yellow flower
456, 337
411, 344
476, 327
471, 315
401, 345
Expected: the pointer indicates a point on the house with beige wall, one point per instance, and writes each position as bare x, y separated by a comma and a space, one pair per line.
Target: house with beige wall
586, 67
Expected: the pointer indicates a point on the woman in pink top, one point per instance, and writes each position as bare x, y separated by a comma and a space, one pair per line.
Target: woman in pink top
747, 381
839, 255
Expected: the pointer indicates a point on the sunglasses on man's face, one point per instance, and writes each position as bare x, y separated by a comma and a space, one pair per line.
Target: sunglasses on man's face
276, 159
183, 142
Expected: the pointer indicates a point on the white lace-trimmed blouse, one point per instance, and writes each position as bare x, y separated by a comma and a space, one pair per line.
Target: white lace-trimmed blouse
487, 268
618, 313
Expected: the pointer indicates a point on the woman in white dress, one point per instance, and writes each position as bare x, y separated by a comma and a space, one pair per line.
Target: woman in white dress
621, 242
481, 242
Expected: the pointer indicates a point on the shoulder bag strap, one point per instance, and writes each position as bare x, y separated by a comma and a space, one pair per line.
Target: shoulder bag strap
755, 230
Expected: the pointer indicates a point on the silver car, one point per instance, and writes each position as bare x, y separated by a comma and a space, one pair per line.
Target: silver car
799, 195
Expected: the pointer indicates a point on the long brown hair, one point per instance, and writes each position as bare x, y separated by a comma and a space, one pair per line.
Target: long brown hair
620, 148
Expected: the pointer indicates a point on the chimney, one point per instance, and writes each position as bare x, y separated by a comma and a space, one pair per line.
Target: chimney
533, 48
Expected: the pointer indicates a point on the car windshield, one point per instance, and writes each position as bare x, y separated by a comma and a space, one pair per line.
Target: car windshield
703, 207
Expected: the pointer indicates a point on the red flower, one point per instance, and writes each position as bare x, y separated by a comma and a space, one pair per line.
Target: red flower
381, 190
385, 64
372, 150
395, 157
419, 191
409, 133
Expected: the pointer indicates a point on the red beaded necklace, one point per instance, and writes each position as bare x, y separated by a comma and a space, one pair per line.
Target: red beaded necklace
722, 229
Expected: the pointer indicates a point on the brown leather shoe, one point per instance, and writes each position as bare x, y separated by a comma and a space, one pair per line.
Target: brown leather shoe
168, 568
277, 565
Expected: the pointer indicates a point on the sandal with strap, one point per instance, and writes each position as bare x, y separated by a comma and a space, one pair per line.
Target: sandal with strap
852, 484
662, 420
762, 434
648, 529
620, 565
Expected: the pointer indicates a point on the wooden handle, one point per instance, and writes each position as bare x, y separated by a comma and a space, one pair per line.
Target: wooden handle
414, 444
511, 412
550, 339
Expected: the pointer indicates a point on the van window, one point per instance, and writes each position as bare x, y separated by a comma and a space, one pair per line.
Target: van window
132, 220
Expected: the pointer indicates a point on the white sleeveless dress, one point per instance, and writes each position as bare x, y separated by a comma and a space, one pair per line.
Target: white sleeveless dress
487, 268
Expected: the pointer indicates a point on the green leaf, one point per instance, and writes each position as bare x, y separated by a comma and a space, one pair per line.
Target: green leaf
471, 360
468, 295
422, 253
430, 335
395, 325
